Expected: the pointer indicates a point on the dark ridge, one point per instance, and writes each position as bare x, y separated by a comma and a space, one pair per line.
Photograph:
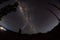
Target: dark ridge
55, 30
52, 35
55, 33
1, 1
9, 8
54, 5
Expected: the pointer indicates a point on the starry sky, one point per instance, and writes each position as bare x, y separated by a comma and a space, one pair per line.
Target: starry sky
41, 20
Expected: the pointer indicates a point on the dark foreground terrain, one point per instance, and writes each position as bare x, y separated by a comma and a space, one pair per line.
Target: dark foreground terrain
52, 35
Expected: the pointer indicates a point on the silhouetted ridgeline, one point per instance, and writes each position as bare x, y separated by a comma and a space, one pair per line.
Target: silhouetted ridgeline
52, 35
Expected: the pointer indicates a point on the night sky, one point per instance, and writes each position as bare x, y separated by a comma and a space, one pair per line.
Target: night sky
40, 19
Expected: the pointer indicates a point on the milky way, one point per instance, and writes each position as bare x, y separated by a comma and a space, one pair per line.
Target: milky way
32, 17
